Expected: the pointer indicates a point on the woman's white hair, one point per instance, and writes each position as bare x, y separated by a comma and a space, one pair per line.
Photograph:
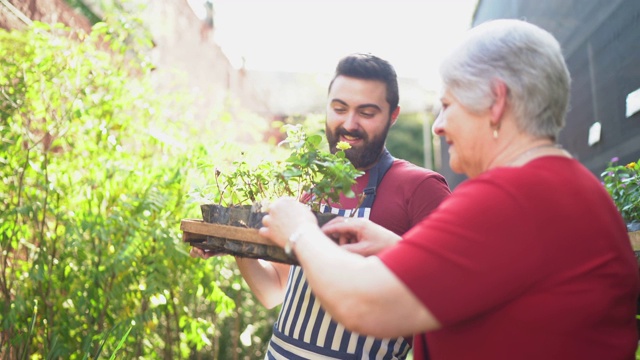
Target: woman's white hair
527, 59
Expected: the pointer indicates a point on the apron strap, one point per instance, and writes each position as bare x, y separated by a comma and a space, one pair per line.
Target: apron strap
375, 177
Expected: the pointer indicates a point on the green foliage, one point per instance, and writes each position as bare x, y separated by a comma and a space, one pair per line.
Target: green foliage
307, 170
406, 138
316, 171
235, 175
92, 194
623, 184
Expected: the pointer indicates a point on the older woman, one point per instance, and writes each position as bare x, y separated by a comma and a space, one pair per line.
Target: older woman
528, 259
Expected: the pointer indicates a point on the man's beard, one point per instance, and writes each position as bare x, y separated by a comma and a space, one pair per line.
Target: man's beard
362, 157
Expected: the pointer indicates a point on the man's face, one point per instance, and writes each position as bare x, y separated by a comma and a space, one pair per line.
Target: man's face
358, 113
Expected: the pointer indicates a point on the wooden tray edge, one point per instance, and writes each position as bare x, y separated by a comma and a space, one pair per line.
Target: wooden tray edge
191, 228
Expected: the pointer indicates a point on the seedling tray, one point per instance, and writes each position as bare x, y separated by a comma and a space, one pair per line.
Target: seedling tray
232, 240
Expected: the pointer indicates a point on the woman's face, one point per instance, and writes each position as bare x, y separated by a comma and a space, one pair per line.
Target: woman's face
466, 133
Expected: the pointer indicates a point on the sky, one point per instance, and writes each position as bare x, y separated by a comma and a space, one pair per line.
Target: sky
312, 35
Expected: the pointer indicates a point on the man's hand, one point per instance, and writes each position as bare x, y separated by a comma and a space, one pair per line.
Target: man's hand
202, 253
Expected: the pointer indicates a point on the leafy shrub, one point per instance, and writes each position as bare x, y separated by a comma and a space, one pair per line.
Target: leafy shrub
91, 197
623, 184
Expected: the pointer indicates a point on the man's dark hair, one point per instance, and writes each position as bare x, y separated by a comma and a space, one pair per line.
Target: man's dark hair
370, 67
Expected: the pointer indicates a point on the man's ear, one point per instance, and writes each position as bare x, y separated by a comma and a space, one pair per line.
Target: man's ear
394, 115
499, 106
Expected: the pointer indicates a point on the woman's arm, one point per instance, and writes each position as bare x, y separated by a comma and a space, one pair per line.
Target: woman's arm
360, 293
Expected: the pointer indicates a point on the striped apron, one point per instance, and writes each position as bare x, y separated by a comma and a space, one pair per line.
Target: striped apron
305, 331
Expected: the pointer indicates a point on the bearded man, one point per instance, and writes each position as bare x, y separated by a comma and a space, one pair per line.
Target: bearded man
361, 108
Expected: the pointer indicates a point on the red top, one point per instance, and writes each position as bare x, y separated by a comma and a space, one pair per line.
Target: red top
524, 263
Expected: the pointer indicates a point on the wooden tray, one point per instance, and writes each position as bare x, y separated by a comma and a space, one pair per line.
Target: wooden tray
232, 240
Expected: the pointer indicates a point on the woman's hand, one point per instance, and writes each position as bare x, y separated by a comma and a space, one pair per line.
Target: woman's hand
360, 236
286, 216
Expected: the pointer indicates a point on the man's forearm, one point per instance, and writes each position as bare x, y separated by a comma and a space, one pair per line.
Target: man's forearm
266, 280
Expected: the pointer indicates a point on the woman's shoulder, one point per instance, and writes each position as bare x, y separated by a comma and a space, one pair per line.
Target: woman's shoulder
552, 168
542, 179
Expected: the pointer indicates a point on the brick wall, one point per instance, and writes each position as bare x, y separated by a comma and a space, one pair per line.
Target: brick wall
47, 11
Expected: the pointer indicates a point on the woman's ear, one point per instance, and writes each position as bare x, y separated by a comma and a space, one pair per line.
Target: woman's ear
498, 108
